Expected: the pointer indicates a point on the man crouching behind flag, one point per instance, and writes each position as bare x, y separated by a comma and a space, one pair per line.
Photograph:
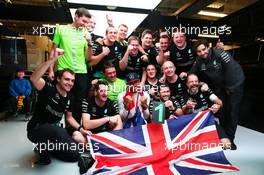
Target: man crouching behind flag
187, 145
133, 103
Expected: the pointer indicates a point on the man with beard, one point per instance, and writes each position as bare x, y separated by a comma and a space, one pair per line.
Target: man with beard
197, 100
226, 77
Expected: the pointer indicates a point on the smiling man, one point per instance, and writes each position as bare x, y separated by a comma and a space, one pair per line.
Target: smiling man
225, 76
99, 114
53, 101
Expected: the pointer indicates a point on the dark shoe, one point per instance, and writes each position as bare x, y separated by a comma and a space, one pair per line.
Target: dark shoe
233, 146
85, 162
44, 159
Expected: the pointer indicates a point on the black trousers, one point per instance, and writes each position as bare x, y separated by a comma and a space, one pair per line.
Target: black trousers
230, 110
54, 140
80, 92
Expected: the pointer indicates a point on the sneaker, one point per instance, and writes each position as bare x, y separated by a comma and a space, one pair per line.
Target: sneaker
226, 143
44, 159
233, 146
85, 162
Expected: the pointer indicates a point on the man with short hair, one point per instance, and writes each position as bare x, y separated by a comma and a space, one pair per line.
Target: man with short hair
122, 34
132, 60
163, 49
77, 50
107, 51
99, 114
53, 101
116, 85
176, 84
172, 106
181, 52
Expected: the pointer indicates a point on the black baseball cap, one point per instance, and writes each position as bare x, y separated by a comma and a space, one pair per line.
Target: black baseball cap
132, 77
20, 69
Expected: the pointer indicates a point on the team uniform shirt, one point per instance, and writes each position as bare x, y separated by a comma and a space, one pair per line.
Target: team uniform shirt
72, 41
203, 100
152, 58
135, 64
219, 70
152, 54
50, 107
96, 112
183, 59
116, 51
177, 90
169, 112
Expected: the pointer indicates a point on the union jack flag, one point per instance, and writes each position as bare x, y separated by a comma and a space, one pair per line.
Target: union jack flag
188, 145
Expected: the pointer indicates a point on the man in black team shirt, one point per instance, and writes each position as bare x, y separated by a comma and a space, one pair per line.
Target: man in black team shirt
107, 51
181, 53
163, 48
172, 106
53, 102
99, 114
226, 77
176, 84
132, 60
196, 100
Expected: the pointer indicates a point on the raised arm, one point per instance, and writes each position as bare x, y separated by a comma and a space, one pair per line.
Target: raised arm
51, 67
36, 78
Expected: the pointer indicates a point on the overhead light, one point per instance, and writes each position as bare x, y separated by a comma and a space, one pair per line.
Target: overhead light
111, 7
214, 14
215, 5
139, 4
8, 1
1, 24
208, 36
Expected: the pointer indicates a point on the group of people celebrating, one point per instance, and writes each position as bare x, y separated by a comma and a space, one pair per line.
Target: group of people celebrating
109, 83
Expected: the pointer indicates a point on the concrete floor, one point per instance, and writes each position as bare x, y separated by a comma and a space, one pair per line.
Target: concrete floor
17, 156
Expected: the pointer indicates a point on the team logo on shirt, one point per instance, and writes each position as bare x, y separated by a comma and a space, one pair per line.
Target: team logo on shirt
178, 54
105, 111
57, 96
93, 109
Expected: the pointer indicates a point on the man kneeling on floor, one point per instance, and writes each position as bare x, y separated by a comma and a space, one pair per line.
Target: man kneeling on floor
53, 102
